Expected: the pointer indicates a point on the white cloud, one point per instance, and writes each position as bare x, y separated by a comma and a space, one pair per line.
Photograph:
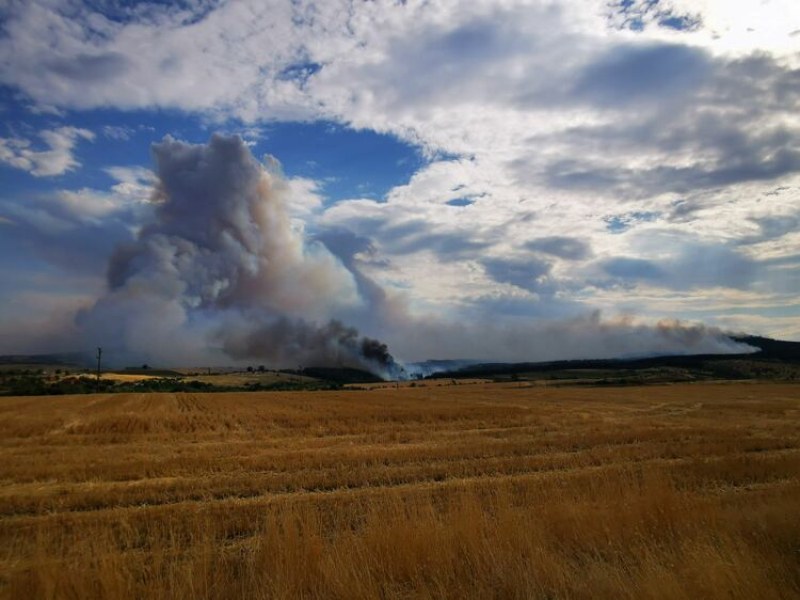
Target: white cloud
72, 56
71, 208
57, 159
304, 197
118, 132
134, 185
745, 25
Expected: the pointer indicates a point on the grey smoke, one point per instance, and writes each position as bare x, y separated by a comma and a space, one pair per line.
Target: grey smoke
222, 232
221, 265
222, 273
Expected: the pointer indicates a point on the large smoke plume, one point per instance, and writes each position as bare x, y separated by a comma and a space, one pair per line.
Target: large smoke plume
222, 272
222, 264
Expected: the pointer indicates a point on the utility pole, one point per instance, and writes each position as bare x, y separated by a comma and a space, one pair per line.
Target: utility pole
99, 355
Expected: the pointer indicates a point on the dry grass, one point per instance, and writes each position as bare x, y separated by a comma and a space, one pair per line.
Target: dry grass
128, 377
479, 491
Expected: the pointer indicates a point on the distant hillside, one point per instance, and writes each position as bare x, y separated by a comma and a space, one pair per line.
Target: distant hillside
771, 348
339, 374
775, 360
65, 358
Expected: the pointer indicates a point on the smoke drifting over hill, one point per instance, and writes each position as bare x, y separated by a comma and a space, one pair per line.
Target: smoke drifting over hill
221, 271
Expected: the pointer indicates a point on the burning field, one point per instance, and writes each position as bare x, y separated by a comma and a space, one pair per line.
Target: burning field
470, 490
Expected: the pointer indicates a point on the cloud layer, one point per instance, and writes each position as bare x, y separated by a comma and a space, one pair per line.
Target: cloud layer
636, 158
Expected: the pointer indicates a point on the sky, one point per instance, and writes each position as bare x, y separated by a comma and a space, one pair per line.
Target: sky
255, 180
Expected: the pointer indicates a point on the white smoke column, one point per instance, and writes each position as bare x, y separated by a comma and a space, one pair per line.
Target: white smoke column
219, 262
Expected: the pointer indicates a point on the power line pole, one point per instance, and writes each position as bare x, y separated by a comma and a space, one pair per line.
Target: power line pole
99, 355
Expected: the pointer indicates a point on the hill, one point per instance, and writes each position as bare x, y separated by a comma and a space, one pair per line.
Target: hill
769, 348
775, 359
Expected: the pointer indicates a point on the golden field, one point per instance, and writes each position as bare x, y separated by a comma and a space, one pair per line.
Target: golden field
457, 491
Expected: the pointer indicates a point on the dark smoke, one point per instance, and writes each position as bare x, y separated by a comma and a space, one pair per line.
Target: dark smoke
376, 351
288, 341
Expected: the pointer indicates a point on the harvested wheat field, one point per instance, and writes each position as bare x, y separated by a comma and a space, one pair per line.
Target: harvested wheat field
460, 491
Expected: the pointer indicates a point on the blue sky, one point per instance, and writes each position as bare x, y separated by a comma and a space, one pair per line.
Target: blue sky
517, 179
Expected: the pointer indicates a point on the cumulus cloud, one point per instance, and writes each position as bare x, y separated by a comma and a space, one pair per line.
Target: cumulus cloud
56, 159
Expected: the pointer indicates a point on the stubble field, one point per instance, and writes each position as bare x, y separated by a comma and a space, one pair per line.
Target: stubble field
458, 491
